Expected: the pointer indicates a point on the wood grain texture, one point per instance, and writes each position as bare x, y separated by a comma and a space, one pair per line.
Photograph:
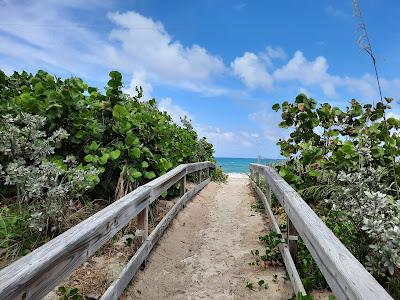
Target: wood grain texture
119, 285
292, 241
142, 223
283, 248
345, 275
37, 273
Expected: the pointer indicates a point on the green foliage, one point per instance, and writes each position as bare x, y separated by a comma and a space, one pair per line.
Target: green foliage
272, 240
61, 139
67, 293
250, 285
325, 138
44, 185
108, 131
257, 205
274, 278
394, 287
345, 165
218, 175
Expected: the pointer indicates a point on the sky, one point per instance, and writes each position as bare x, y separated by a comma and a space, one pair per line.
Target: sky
223, 63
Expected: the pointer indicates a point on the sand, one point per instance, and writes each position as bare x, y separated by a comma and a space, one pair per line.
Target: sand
205, 252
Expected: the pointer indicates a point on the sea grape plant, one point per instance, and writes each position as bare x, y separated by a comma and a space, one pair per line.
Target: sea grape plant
344, 162
62, 139
114, 132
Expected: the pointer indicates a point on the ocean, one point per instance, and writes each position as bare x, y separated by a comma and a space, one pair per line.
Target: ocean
241, 165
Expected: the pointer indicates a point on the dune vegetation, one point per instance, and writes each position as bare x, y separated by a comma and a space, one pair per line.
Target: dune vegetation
345, 164
68, 149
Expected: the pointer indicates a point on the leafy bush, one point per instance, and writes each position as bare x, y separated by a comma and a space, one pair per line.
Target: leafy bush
218, 175
61, 139
112, 132
44, 186
344, 163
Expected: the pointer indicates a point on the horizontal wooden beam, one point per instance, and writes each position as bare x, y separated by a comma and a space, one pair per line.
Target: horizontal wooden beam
194, 167
119, 285
345, 275
36, 274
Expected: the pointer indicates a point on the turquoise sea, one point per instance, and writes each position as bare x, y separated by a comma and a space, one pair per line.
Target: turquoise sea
241, 165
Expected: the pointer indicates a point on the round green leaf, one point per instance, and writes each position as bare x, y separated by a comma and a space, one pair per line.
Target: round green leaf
115, 154
150, 175
135, 152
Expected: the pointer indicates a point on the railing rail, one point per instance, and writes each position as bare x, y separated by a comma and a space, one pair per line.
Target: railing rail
36, 274
345, 275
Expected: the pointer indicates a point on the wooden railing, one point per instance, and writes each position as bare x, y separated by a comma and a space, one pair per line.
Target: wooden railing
345, 275
39, 272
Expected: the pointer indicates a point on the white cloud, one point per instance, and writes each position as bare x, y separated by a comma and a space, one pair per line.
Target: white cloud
38, 34
148, 45
304, 91
223, 140
136, 45
140, 79
309, 73
268, 122
228, 140
252, 70
174, 110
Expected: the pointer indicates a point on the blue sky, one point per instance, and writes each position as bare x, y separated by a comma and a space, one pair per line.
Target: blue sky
222, 63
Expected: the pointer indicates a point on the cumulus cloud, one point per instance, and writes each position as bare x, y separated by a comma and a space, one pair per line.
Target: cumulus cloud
228, 140
274, 53
223, 140
307, 72
174, 110
147, 43
252, 71
32, 37
136, 45
139, 78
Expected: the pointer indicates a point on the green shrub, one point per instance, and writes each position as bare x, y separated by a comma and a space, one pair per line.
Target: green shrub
61, 140
218, 175
345, 164
110, 131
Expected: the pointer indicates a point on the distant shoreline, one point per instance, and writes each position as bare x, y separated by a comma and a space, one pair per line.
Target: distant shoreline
241, 165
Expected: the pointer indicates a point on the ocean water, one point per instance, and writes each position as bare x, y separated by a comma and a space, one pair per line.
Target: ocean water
241, 165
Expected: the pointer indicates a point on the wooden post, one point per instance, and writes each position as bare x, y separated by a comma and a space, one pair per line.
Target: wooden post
182, 186
208, 172
257, 178
268, 195
293, 238
142, 228
142, 224
200, 176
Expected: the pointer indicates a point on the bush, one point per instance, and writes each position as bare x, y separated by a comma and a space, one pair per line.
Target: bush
44, 185
62, 139
345, 164
218, 175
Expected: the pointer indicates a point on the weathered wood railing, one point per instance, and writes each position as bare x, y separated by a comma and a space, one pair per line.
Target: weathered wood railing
345, 275
39, 272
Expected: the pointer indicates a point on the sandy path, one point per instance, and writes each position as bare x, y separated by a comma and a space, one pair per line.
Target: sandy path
205, 252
